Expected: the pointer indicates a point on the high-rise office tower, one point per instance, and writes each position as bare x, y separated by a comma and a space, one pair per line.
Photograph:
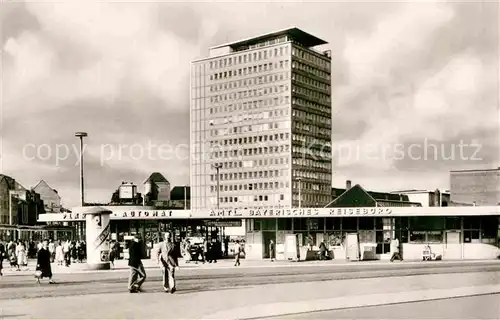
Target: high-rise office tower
261, 118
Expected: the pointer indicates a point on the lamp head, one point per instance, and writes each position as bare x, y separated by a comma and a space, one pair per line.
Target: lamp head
81, 134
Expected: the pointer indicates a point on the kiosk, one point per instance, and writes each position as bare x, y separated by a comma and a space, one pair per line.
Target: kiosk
97, 238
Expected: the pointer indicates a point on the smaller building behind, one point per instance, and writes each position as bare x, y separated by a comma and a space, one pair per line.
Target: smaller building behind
357, 196
475, 187
156, 188
427, 198
126, 194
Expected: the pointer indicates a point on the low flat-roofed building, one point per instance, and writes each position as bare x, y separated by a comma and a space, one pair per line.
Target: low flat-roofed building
479, 187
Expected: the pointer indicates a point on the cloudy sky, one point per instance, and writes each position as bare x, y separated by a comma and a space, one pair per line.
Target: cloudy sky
405, 76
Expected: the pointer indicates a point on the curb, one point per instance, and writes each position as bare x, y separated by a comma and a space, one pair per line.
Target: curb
298, 307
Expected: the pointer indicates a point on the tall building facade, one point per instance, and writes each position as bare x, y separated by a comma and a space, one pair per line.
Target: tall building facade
475, 187
261, 118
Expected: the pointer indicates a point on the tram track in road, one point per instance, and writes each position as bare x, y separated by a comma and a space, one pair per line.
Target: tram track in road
71, 285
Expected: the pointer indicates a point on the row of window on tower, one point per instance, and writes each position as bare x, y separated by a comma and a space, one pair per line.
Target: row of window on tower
280, 76
239, 152
229, 176
251, 128
251, 186
241, 72
249, 57
250, 140
269, 90
260, 198
253, 163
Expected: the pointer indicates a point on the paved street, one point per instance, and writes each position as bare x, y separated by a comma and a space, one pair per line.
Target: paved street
206, 291
476, 307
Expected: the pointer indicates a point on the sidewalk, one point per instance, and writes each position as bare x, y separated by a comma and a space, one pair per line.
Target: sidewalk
251, 302
122, 265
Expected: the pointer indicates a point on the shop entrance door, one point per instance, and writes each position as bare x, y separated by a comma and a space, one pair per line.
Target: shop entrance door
267, 236
453, 246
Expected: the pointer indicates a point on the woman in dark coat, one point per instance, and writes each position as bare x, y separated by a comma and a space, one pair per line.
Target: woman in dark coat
2, 256
43, 262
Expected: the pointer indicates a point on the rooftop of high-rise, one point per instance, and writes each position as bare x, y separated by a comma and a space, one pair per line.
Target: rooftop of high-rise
302, 37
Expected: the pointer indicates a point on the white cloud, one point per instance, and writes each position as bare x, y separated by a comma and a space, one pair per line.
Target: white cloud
398, 36
109, 52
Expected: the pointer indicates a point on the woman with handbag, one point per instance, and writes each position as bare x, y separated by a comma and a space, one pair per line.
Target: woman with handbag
43, 269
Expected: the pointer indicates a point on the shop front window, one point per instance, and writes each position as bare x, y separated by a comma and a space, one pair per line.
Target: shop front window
334, 239
489, 229
472, 223
316, 224
332, 224
269, 224
453, 223
350, 224
367, 223
285, 224
426, 223
435, 237
471, 236
300, 224
417, 236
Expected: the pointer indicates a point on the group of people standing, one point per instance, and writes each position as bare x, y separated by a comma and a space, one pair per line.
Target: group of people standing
16, 253
206, 252
45, 252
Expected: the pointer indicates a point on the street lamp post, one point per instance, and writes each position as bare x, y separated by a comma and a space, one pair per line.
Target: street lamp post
81, 135
218, 166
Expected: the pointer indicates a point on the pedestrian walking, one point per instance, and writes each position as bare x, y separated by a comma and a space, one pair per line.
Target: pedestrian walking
167, 259
59, 253
137, 272
43, 263
52, 250
2, 256
272, 252
205, 250
237, 252
395, 250
22, 257
226, 246
112, 254
323, 252
67, 253
12, 256
187, 252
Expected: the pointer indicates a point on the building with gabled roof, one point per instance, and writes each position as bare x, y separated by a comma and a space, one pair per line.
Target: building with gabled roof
357, 196
156, 188
50, 196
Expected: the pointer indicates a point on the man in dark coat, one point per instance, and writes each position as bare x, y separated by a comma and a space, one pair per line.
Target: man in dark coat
137, 272
43, 262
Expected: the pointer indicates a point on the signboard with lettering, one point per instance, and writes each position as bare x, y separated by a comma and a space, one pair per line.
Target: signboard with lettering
223, 223
309, 212
150, 213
